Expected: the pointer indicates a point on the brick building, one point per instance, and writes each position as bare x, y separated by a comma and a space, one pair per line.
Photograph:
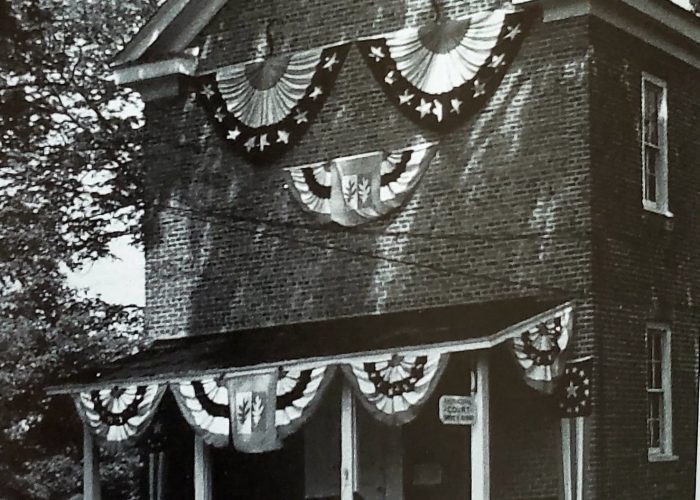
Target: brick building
564, 196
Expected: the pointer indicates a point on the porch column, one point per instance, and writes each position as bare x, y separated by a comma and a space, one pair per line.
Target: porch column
481, 457
348, 445
91, 467
202, 470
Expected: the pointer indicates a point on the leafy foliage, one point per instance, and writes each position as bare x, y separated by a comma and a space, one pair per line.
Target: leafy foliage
70, 182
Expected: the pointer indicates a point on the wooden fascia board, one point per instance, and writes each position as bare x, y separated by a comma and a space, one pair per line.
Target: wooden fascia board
148, 71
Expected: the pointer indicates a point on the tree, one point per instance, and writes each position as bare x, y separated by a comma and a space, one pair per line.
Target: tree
70, 182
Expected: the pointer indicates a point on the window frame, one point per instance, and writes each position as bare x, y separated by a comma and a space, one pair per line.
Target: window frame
664, 452
661, 203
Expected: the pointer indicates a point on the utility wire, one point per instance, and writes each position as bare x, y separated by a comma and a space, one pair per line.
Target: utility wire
231, 221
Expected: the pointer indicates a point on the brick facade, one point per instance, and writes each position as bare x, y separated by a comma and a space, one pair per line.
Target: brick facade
539, 194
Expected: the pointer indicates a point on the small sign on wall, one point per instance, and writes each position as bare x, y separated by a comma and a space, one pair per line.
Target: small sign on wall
457, 410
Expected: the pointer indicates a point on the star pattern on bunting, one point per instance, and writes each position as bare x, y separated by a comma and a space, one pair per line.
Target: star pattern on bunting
574, 396
440, 84
258, 116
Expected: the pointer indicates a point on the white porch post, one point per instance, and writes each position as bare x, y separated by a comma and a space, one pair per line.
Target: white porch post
481, 457
91, 467
348, 448
202, 470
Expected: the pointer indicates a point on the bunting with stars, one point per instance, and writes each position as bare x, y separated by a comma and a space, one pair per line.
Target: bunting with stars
574, 401
261, 109
358, 189
395, 388
120, 415
442, 73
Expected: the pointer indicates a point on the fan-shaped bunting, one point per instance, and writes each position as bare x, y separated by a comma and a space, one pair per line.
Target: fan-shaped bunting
395, 388
119, 416
358, 189
442, 73
539, 350
298, 394
263, 108
205, 405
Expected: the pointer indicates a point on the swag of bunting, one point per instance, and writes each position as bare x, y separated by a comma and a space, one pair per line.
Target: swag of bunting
540, 350
395, 388
204, 404
120, 415
358, 189
263, 108
298, 394
442, 73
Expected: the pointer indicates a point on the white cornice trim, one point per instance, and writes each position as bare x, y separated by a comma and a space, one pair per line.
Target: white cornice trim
184, 65
151, 31
656, 22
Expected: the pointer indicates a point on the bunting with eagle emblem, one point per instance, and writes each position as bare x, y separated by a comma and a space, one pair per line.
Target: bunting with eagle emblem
262, 108
358, 189
205, 405
298, 394
539, 350
440, 74
394, 389
120, 415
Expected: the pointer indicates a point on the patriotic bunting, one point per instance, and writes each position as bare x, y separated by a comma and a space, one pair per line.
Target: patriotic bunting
252, 405
298, 394
539, 350
358, 189
204, 404
574, 393
119, 416
442, 73
395, 388
263, 108
574, 401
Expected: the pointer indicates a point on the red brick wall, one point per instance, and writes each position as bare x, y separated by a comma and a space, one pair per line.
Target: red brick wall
503, 211
639, 255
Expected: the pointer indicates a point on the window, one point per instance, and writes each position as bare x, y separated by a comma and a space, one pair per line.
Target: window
659, 419
654, 145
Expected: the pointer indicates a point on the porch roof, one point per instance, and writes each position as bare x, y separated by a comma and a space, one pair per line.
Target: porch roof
457, 328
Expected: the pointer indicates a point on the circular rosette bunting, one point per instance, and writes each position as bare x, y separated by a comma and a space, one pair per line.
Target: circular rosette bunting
440, 74
394, 389
120, 415
205, 405
298, 394
540, 350
359, 189
263, 108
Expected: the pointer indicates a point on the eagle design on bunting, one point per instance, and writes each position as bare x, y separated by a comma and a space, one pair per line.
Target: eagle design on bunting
358, 189
393, 389
118, 416
440, 74
262, 108
205, 405
540, 349
298, 392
